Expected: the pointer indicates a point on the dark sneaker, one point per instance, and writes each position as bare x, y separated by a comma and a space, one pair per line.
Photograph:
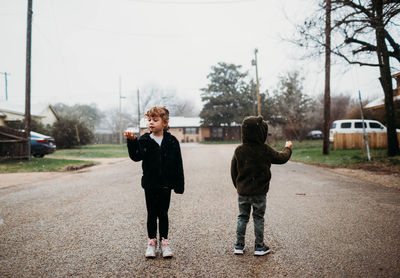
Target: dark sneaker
261, 250
239, 249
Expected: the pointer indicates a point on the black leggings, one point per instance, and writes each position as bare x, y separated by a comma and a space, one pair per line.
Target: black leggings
157, 204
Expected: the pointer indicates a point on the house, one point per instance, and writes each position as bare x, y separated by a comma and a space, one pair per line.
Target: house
380, 102
47, 116
190, 129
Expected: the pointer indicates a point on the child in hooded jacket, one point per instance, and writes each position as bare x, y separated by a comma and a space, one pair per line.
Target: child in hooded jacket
162, 167
251, 174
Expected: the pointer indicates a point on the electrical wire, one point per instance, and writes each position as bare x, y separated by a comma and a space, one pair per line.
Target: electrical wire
192, 2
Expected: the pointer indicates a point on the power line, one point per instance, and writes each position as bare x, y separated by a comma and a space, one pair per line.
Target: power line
193, 2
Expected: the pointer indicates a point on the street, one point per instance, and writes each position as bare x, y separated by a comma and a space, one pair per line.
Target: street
92, 223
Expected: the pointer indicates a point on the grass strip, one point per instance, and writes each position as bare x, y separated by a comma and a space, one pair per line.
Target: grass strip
95, 151
42, 165
310, 152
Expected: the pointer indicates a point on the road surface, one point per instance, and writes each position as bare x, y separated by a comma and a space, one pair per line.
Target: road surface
91, 223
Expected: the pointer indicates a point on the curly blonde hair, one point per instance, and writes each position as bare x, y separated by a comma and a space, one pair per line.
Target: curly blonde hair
159, 111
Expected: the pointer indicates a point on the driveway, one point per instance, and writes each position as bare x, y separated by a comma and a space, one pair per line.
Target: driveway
91, 223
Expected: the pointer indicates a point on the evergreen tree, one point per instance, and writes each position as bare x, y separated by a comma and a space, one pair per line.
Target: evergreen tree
226, 96
292, 105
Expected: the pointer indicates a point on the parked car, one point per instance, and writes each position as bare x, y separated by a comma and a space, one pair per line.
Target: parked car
355, 126
41, 144
314, 135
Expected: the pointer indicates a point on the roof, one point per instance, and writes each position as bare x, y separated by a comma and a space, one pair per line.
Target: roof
17, 112
380, 102
177, 122
19, 108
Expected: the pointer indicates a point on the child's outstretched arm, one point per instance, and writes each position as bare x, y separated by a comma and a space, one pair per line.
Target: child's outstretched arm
283, 156
133, 146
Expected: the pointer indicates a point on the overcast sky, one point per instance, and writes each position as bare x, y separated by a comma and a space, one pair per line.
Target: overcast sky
81, 47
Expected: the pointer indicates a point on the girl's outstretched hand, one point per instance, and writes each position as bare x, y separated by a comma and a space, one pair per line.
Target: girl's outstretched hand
129, 135
289, 144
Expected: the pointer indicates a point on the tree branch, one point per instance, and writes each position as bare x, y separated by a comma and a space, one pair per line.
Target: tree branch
396, 48
358, 6
353, 62
366, 46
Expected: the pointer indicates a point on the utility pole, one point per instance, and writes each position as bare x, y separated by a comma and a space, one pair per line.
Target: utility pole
28, 77
5, 80
254, 63
327, 94
253, 95
138, 109
120, 123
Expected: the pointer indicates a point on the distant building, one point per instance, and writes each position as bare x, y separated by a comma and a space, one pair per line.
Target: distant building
189, 129
380, 102
47, 116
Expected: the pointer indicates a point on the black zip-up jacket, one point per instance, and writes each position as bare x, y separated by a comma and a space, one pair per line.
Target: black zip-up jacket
162, 166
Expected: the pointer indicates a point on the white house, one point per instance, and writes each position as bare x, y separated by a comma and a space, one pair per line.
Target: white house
380, 102
46, 116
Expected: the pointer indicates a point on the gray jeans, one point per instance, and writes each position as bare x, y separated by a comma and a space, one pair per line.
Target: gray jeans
258, 202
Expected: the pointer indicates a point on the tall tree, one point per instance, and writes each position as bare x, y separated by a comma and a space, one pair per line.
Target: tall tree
153, 95
89, 114
223, 97
291, 104
362, 28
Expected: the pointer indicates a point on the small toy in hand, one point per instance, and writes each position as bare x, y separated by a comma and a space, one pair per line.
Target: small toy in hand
129, 135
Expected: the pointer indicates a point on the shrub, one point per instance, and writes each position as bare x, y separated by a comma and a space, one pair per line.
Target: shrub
69, 133
35, 126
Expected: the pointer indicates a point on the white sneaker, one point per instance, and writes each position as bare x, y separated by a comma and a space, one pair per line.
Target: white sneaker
151, 248
166, 250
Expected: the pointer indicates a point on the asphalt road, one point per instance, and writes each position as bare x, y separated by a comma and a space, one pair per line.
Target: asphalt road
92, 224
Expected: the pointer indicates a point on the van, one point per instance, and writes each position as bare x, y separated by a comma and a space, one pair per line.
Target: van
355, 126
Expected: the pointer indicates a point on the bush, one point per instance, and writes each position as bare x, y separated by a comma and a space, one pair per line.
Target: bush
35, 126
69, 133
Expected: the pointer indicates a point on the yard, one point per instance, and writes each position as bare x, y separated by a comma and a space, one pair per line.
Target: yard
310, 152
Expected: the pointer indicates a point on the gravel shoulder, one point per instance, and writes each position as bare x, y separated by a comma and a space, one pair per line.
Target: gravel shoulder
381, 178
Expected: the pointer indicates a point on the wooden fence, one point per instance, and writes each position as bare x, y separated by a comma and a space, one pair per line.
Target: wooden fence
356, 140
13, 143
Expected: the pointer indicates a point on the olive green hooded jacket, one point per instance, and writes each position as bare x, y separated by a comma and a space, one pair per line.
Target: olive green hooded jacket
251, 162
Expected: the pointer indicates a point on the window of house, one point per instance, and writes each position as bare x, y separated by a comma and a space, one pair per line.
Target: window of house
345, 125
190, 130
216, 132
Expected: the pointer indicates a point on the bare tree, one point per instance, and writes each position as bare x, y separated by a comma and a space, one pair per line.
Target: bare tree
341, 104
111, 120
177, 105
362, 28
